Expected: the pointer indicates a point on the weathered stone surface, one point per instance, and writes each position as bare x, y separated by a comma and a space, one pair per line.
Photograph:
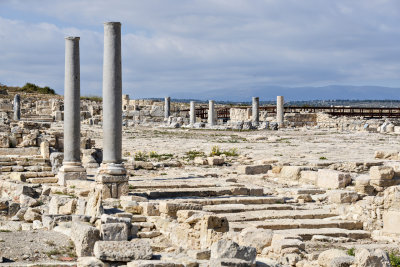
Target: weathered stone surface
230, 263
366, 258
255, 237
84, 237
331, 179
231, 250
254, 169
124, 251
381, 172
215, 161
391, 219
32, 214
90, 262
325, 258
114, 232
342, 196
154, 263
291, 172
345, 261
170, 208
131, 206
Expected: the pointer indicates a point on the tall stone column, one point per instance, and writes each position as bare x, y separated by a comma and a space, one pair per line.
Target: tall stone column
112, 177
17, 107
255, 111
192, 113
279, 110
211, 113
167, 107
72, 167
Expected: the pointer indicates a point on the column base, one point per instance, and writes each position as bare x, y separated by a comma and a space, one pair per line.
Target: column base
112, 180
71, 171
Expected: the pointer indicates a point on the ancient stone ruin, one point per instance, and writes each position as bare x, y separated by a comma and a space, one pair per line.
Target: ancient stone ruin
135, 182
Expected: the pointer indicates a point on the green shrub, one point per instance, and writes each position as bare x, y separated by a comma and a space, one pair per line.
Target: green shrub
351, 252
192, 154
140, 156
33, 88
92, 98
215, 151
394, 259
322, 158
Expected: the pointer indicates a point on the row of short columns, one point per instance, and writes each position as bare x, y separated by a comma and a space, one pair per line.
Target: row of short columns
111, 178
212, 118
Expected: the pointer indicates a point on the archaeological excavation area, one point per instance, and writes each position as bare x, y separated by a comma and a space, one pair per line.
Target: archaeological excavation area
157, 183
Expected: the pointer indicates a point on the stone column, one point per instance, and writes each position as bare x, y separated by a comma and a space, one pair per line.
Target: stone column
167, 107
279, 110
255, 111
211, 113
111, 176
192, 113
17, 107
72, 167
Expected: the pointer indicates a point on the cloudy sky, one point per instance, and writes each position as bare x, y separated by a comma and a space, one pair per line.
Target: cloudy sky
176, 46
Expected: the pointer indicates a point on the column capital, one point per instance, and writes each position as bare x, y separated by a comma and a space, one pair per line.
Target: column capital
72, 38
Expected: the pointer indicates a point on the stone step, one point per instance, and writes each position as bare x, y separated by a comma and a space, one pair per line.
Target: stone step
277, 214
231, 208
301, 191
202, 192
283, 224
151, 186
307, 234
43, 180
232, 200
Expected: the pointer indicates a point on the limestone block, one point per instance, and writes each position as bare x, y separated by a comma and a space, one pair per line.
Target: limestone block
366, 258
114, 232
56, 202
150, 209
200, 161
131, 206
331, 179
256, 237
325, 258
27, 201
155, 263
230, 263
290, 172
32, 214
204, 254
84, 237
90, 262
215, 161
227, 249
68, 208
170, 208
391, 220
381, 172
309, 177
254, 169
342, 196
45, 149
123, 251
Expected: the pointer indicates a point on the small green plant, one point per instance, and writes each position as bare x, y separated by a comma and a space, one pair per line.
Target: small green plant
72, 186
233, 152
192, 154
131, 187
322, 158
140, 156
127, 154
215, 151
351, 252
92, 98
394, 259
4, 231
163, 173
33, 88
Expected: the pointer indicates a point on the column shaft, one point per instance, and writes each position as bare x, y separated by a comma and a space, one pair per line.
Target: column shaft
279, 110
211, 113
72, 115
17, 107
167, 107
255, 111
192, 113
112, 93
